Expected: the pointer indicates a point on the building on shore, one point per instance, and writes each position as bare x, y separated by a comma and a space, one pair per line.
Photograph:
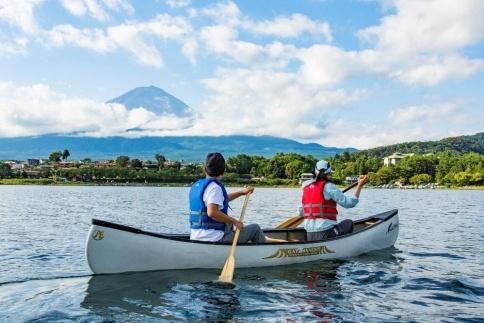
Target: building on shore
33, 162
394, 158
351, 179
305, 177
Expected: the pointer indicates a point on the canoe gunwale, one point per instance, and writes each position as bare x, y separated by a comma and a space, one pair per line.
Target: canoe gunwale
381, 218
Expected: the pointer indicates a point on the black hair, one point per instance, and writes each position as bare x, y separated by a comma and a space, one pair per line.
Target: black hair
215, 164
323, 177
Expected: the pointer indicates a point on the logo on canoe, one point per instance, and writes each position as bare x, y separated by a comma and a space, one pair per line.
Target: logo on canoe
392, 227
297, 252
98, 235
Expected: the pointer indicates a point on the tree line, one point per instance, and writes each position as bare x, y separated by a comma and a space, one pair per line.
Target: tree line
443, 168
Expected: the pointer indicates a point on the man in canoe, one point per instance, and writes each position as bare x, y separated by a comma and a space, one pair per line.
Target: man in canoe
319, 200
209, 203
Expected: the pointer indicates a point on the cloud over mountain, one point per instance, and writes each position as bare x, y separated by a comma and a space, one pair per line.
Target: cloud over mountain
286, 73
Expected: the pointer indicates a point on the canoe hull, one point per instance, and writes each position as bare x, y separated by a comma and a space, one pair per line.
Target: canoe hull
111, 250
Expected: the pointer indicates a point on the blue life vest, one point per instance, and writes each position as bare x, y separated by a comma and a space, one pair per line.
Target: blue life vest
199, 218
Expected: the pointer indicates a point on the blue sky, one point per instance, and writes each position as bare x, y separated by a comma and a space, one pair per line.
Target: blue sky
355, 73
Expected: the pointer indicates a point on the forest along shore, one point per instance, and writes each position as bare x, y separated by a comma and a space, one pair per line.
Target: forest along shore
398, 170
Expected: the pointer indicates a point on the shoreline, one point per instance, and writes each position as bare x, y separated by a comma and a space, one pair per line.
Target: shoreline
50, 182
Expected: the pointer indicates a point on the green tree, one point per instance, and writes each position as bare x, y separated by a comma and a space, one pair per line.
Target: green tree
55, 156
122, 161
294, 169
462, 178
418, 164
276, 167
65, 154
384, 175
160, 159
259, 165
477, 178
5, 170
420, 179
136, 163
240, 164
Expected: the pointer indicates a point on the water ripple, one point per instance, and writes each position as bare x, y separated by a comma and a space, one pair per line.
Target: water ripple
434, 272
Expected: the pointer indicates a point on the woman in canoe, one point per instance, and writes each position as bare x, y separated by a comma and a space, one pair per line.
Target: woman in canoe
319, 200
209, 204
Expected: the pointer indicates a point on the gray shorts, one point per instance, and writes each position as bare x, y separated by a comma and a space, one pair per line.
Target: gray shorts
339, 229
250, 233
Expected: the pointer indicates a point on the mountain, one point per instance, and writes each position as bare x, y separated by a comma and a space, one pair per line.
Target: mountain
460, 144
153, 99
190, 148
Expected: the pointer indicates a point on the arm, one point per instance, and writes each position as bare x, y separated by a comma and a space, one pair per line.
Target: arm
332, 192
246, 190
214, 212
361, 182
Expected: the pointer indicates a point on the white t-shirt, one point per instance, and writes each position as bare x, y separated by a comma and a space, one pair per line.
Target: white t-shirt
213, 195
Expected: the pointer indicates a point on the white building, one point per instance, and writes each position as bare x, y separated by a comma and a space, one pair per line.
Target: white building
15, 165
395, 158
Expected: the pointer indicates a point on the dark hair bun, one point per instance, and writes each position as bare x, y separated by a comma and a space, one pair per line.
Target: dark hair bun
215, 164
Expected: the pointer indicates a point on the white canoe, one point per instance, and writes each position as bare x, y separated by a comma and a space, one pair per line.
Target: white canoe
114, 248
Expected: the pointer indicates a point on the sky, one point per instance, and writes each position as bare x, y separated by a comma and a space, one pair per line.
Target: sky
344, 73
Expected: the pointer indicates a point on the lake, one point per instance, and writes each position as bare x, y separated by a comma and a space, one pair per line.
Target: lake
433, 273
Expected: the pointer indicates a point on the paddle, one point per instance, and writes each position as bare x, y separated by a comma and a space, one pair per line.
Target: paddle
227, 274
296, 220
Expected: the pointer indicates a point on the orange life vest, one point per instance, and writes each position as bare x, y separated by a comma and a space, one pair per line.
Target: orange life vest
315, 206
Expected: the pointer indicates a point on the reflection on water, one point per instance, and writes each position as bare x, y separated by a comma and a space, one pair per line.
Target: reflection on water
433, 273
304, 291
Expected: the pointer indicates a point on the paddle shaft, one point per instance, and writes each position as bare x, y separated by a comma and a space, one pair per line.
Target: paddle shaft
349, 187
237, 232
227, 273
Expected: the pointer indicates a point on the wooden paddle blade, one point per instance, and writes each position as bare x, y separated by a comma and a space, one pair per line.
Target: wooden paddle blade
297, 222
287, 223
291, 222
227, 274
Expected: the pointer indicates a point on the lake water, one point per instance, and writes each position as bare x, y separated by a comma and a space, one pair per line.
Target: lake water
434, 272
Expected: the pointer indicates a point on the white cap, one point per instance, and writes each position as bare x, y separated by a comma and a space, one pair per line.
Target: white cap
323, 166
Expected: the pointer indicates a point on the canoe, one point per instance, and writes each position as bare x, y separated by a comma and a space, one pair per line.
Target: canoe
115, 248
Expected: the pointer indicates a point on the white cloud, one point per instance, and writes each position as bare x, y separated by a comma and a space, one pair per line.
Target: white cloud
428, 26
228, 14
94, 39
262, 103
98, 9
178, 3
20, 14
223, 40
434, 70
12, 48
419, 113
224, 13
324, 65
37, 109
128, 37
133, 37
267, 102
190, 49
119, 5
289, 27
420, 43
413, 123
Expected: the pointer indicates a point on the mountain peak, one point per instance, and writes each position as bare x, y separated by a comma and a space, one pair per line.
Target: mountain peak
154, 99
